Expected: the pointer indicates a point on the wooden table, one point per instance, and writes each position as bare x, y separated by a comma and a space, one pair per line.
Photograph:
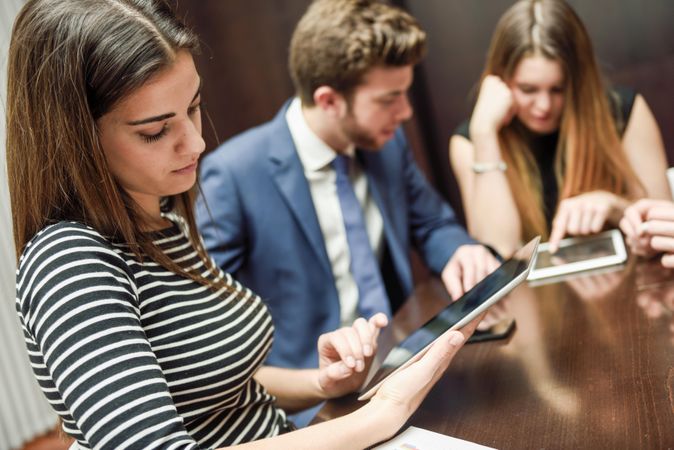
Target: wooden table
589, 365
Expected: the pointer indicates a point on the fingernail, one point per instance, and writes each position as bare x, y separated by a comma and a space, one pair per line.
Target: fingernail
367, 350
456, 339
360, 365
350, 362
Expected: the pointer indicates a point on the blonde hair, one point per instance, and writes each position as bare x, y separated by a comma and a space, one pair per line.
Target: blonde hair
336, 42
70, 62
589, 152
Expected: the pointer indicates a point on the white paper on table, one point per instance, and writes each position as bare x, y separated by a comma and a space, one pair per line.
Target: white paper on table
415, 438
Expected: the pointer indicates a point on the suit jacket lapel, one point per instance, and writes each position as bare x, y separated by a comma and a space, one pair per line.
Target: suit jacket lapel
288, 173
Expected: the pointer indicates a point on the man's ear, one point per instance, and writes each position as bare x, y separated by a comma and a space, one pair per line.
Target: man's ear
330, 101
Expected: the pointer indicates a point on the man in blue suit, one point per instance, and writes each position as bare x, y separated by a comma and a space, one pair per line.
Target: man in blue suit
274, 214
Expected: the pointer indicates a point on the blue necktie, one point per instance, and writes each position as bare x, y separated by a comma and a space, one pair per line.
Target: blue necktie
372, 296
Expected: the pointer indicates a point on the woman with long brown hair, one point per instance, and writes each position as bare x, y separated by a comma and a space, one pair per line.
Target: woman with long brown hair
136, 338
549, 148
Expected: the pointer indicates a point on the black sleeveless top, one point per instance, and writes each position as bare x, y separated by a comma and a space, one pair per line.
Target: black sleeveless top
544, 147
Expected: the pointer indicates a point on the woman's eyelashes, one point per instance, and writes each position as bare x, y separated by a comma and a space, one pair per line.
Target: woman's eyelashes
194, 108
526, 89
150, 138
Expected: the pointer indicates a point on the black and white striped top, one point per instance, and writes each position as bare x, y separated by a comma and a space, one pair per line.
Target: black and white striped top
131, 355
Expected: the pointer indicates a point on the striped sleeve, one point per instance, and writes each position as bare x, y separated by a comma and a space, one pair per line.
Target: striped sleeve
78, 305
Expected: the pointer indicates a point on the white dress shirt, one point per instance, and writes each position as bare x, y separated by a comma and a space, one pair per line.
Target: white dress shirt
316, 157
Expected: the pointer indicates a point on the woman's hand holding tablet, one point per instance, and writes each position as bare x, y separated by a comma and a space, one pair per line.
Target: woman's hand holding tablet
407, 388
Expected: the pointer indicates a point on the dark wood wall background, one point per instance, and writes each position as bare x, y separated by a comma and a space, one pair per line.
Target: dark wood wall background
245, 44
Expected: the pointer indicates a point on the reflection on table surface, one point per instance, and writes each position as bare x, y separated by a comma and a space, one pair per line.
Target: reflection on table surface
590, 365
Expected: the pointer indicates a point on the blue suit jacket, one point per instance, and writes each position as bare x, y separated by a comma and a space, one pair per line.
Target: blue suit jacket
264, 229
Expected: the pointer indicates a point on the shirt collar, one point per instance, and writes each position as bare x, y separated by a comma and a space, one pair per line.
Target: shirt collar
313, 152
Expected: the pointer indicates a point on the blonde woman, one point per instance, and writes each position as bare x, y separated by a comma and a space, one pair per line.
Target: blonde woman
549, 148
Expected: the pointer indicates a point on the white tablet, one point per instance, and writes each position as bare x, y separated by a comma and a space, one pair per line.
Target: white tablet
456, 315
578, 254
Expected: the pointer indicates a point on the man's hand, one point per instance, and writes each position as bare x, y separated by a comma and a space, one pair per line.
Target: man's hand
468, 265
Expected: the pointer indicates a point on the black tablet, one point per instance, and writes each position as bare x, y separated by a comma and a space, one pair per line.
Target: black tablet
456, 315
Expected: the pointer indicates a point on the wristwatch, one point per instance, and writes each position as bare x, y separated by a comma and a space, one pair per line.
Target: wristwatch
482, 167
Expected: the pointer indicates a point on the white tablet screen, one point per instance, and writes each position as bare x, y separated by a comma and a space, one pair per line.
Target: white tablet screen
579, 254
589, 249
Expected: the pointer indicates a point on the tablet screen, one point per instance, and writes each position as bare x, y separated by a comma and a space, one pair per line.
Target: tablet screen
483, 292
598, 247
579, 254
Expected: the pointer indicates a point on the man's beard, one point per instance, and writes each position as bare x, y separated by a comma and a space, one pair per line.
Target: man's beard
359, 136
